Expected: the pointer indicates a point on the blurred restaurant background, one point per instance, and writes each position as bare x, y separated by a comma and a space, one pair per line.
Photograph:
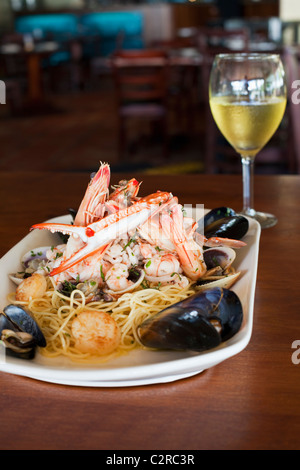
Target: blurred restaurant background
62, 65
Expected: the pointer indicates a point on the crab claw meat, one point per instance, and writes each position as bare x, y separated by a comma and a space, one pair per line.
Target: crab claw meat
98, 235
63, 228
69, 263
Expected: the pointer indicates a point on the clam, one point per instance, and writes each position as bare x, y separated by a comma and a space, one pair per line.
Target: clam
198, 323
34, 260
222, 256
219, 273
19, 332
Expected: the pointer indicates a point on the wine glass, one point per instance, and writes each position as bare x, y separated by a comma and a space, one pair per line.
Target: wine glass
247, 96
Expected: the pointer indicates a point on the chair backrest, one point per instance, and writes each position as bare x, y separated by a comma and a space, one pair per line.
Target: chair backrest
140, 75
291, 58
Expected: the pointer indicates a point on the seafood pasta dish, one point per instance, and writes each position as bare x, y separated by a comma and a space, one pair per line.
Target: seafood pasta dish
130, 272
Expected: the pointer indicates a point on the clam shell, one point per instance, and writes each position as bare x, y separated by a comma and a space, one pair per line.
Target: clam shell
14, 279
225, 282
222, 256
38, 255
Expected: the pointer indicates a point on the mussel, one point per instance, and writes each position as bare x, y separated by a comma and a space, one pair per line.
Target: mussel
19, 332
198, 323
224, 222
218, 213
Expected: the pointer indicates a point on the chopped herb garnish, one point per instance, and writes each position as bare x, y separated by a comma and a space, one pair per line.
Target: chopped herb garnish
173, 274
102, 273
216, 262
132, 239
145, 284
148, 263
67, 288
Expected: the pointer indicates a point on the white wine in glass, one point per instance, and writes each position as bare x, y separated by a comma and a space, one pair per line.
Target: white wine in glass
247, 96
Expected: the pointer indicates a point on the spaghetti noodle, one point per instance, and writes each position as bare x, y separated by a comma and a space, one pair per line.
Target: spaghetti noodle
55, 312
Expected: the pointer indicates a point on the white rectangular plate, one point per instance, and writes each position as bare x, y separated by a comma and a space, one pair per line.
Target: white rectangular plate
139, 367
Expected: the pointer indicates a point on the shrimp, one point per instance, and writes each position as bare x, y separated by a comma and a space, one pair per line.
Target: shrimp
189, 252
92, 205
95, 332
90, 210
156, 230
117, 277
162, 265
124, 194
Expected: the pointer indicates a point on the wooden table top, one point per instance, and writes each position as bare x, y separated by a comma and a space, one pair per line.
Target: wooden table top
250, 401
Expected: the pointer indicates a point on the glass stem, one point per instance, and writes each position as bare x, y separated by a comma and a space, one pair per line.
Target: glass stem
248, 170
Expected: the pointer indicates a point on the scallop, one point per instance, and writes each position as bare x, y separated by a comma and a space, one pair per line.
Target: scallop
95, 332
32, 287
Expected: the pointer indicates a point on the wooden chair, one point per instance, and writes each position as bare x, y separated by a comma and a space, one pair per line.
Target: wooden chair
183, 89
140, 78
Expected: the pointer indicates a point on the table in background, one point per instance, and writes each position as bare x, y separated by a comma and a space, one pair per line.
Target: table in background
35, 99
250, 401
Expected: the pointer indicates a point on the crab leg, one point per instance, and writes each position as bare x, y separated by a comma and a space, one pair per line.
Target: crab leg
99, 252
218, 241
96, 236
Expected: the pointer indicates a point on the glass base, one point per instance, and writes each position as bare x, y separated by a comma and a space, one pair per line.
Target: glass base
264, 219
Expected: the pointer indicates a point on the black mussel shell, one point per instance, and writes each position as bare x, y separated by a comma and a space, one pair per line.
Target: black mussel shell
229, 312
72, 212
234, 226
175, 330
218, 213
5, 323
198, 323
18, 344
23, 321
